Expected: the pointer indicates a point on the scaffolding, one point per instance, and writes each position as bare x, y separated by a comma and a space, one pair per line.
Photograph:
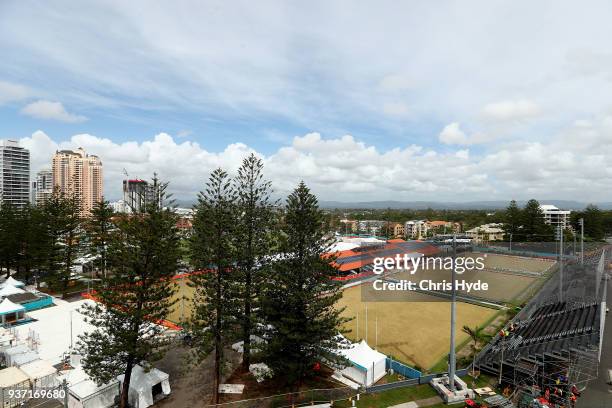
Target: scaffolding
552, 350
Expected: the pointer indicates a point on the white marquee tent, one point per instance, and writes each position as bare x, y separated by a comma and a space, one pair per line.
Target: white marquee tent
42, 374
8, 290
13, 282
11, 312
146, 386
83, 392
367, 365
12, 351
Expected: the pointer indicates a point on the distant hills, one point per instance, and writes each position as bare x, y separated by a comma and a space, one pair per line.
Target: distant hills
439, 205
436, 205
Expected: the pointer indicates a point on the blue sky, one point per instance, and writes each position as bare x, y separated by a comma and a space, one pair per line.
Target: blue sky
511, 99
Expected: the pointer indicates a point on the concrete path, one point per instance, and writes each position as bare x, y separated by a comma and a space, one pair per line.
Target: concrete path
429, 401
410, 404
420, 403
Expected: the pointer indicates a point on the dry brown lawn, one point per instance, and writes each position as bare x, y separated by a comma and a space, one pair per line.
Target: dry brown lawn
515, 263
415, 332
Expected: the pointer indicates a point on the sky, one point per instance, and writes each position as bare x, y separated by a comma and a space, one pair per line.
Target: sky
445, 101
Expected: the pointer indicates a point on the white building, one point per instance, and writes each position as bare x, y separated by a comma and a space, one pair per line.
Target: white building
416, 229
44, 186
119, 206
555, 216
486, 232
14, 174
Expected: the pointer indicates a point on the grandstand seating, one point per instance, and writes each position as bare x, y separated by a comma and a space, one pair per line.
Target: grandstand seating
553, 328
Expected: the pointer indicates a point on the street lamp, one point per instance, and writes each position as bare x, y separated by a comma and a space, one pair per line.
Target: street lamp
451, 371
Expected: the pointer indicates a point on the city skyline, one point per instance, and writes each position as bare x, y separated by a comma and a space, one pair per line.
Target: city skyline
408, 102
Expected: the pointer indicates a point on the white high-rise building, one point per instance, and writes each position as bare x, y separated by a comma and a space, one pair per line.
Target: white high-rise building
555, 216
44, 186
14, 174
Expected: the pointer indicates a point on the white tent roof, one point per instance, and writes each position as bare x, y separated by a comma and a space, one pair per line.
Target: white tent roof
38, 369
9, 307
8, 290
142, 380
12, 376
362, 355
80, 385
141, 384
13, 282
24, 358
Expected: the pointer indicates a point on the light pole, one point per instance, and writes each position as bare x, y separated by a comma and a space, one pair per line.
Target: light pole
510, 242
581, 221
560, 232
501, 360
451, 370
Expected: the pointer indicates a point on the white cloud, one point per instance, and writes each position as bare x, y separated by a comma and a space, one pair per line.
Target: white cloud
273, 61
345, 168
511, 110
397, 109
10, 92
42, 109
452, 134
397, 82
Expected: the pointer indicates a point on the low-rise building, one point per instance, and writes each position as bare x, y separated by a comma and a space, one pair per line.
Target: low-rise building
416, 229
486, 232
349, 226
444, 227
372, 227
397, 229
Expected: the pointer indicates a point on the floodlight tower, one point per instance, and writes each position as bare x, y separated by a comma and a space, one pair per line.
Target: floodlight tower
451, 369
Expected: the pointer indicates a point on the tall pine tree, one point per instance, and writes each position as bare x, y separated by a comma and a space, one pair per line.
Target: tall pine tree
99, 227
300, 300
534, 227
65, 232
216, 305
254, 233
9, 246
144, 252
513, 219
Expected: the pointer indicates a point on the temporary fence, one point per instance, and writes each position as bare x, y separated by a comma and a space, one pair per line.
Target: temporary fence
402, 369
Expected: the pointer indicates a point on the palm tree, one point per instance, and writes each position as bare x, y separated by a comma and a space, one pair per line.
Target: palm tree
477, 335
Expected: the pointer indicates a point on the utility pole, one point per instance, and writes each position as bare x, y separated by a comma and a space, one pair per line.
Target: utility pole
65, 388
581, 241
451, 371
510, 242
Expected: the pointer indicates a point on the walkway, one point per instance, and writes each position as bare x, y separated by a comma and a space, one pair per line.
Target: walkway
420, 403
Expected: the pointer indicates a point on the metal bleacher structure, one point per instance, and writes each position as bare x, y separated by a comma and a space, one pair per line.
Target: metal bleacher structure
554, 343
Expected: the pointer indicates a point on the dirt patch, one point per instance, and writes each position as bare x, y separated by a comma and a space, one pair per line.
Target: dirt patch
191, 384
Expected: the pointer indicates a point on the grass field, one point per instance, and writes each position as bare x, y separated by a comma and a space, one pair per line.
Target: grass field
415, 332
502, 287
514, 263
